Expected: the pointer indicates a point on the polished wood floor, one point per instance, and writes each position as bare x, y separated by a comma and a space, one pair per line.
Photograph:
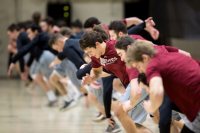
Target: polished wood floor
23, 110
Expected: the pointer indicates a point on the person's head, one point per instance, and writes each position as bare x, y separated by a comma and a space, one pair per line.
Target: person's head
91, 43
33, 31
22, 26
139, 54
90, 23
36, 17
122, 46
47, 24
13, 31
55, 29
76, 26
57, 42
66, 31
117, 29
101, 31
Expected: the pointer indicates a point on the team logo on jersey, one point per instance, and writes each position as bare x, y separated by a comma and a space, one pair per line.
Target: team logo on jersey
104, 61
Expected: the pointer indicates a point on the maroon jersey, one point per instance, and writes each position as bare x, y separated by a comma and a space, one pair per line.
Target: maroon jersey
112, 63
181, 80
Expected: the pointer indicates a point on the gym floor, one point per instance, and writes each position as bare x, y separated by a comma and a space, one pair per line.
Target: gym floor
24, 110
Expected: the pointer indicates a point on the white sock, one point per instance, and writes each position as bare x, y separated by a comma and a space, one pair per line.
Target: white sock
66, 98
73, 91
51, 95
76, 91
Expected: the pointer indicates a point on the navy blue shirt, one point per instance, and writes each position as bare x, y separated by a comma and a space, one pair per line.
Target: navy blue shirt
82, 72
73, 52
37, 46
22, 40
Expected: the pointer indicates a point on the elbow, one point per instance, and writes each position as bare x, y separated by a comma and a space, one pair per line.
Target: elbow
184, 53
78, 75
189, 55
159, 97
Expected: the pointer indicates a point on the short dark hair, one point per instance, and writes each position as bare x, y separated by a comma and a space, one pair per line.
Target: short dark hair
28, 23
90, 22
49, 21
99, 29
118, 26
36, 17
123, 42
89, 39
35, 27
13, 27
77, 23
54, 38
65, 31
24, 25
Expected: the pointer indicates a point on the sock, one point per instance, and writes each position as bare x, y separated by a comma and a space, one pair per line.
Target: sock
73, 91
51, 95
66, 98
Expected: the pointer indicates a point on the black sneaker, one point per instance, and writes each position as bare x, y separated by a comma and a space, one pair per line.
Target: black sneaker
67, 105
52, 103
110, 129
57, 92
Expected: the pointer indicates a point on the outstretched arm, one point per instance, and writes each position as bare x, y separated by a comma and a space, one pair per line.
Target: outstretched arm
156, 94
132, 21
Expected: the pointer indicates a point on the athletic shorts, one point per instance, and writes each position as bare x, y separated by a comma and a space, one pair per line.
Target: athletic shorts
42, 66
138, 113
67, 69
195, 125
98, 92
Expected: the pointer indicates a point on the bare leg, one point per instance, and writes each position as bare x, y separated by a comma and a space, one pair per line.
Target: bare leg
176, 126
126, 121
40, 81
55, 82
46, 87
95, 102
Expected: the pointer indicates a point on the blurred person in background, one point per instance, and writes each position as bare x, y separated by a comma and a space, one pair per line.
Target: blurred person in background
77, 28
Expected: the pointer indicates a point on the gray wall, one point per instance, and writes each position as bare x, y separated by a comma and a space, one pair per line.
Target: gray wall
7, 15
192, 46
105, 10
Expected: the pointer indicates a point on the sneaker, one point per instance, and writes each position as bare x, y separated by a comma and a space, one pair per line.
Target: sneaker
52, 103
67, 105
57, 93
100, 117
110, 129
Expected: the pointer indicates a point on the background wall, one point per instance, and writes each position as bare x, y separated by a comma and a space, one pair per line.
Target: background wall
106, 10
6, 17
